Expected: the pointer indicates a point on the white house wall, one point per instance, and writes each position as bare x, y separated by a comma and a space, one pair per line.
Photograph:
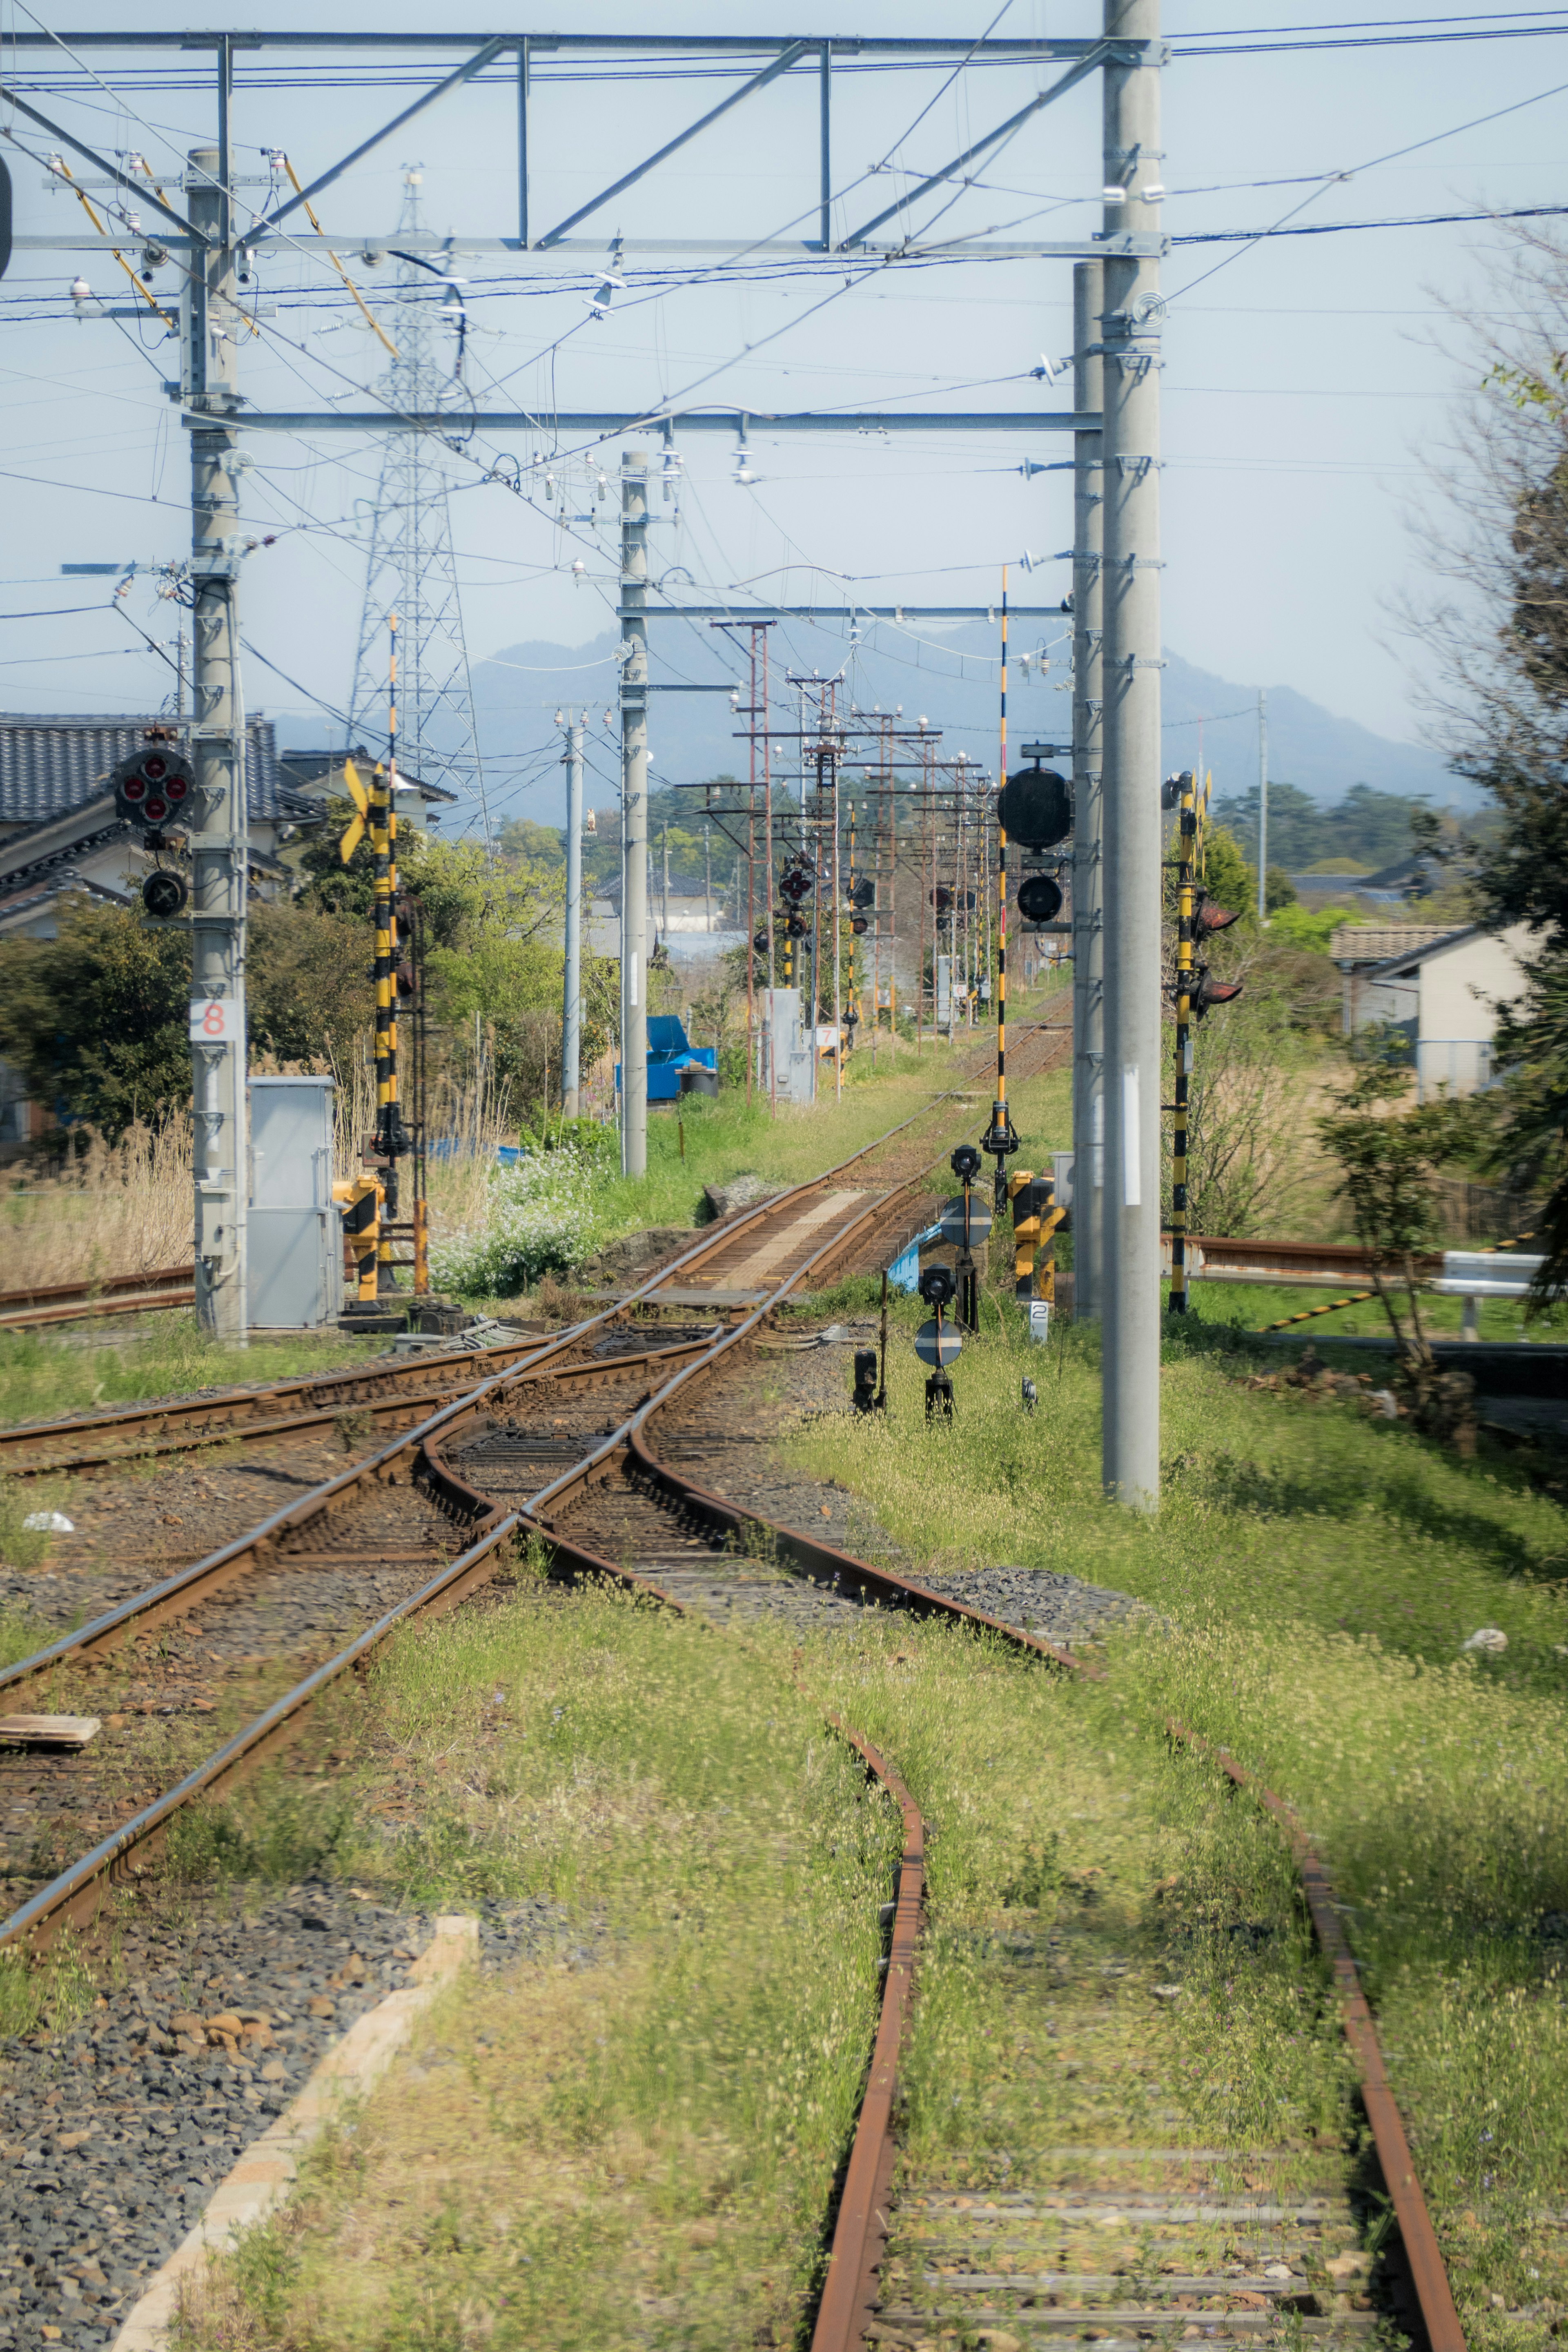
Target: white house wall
1461, 985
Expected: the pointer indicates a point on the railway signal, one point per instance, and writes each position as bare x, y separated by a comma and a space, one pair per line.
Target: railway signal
936, 1343
1039, 898
966, 1222
163, 894
153, 786
864, 1399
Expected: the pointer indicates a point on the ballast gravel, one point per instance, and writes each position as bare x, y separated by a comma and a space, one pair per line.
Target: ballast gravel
815, 1382
115, 2130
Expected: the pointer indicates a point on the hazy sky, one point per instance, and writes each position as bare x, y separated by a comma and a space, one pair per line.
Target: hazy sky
1301, 392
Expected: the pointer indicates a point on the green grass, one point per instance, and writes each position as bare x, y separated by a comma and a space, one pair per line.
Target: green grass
655, 2124
42, 1375
1316, 1573
1254, 1305
723, 1139
1057, 1813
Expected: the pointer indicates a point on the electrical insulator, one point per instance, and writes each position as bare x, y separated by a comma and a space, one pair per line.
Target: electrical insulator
80, 291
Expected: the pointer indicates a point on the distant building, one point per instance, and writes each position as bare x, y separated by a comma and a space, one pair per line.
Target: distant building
313, 774
1442, 986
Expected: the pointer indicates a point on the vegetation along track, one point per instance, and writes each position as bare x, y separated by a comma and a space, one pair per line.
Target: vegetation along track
1230, 2244
339, 1550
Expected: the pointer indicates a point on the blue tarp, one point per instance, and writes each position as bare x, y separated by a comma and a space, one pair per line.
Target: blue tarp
904, 1273
669, 1051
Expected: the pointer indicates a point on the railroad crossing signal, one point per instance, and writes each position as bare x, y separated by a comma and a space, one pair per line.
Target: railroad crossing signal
360, 821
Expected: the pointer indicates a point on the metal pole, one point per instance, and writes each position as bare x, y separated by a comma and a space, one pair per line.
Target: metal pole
1262, 806
825, 146
1131, 1358
634, 803
1088, 702
761, 628
522, 144
837, 933
571, 1007
220, 817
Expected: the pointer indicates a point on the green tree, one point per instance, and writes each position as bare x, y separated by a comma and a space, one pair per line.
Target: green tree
96, 1017
1227, 877
1279, 890
541, 845
309, 990
1389, 1159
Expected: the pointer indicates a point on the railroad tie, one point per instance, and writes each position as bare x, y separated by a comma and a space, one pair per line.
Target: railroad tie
1185, 2251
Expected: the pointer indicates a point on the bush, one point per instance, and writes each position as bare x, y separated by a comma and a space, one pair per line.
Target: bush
539, 1219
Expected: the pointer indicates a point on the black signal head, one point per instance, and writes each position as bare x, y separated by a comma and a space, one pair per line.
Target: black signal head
936, 1286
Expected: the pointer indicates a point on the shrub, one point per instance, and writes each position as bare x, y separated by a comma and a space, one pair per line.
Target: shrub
538, 1219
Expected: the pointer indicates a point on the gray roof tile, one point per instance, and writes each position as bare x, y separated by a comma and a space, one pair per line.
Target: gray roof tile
50, 764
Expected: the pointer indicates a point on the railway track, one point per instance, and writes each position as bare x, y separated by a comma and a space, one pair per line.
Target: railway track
421, 1512
113, 1294
618, 1468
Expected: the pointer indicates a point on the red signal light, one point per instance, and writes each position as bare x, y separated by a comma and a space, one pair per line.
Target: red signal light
155, 808
134, 788
1207, 992
154, 767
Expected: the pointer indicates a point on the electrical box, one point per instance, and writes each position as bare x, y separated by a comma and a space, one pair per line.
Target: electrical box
294, 1241
786, 1048
1062, 1162
944, 992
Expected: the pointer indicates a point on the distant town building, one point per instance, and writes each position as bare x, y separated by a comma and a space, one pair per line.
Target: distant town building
1442, 986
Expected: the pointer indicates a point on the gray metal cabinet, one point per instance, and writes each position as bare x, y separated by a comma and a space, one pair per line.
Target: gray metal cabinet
295, 1247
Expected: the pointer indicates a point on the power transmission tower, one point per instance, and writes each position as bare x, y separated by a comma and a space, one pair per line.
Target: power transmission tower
412, 572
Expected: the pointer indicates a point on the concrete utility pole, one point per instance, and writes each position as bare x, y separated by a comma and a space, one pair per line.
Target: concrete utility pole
634, 813
1088, 703
218, 837
1132, 317
572, 1006
1262, 805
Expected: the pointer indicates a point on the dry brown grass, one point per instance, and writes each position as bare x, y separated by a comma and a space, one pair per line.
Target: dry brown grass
123, 1208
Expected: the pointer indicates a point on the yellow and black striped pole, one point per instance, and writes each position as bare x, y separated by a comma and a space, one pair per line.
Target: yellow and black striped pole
391, 1140
1187, 878
1002, 1140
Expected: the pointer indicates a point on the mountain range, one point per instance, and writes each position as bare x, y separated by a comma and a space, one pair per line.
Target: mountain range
947, 673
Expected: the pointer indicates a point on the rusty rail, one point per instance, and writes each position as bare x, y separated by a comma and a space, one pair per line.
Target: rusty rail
849, 2289
112, 1294
860, 2229
77, 1892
